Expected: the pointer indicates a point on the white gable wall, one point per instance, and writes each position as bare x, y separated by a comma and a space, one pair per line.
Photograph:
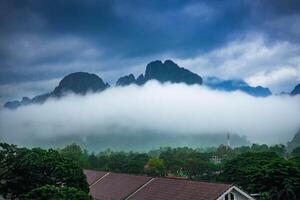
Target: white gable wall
239, 196
237, 193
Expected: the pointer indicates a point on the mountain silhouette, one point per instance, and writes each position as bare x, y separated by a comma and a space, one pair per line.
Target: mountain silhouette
236, 85
295, 142
296, 90
77, 83
82, 82
167, 71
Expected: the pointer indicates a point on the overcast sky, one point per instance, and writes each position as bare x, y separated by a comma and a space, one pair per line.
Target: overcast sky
42, 41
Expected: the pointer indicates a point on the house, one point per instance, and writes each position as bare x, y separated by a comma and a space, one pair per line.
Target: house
115, 186
215, 159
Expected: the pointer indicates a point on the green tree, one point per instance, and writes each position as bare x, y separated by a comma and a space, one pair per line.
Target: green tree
136, 163
51, 192
74, 152
24, 169
259, 147
296, 154
279, 179
93, 161
155, 167
240, 168
172, 163
263, 172
116, 162
175, 159
279, 149
242, 149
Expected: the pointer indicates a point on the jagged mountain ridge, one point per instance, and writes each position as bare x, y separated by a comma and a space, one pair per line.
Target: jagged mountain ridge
78, 83
234, 85
82, 82
168, 71
296, 90
295, 142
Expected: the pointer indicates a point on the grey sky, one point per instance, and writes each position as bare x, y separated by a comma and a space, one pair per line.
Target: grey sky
42, 41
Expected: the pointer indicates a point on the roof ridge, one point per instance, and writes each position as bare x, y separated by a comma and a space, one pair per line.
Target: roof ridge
201, 181
171, 178
140, 188
94, 183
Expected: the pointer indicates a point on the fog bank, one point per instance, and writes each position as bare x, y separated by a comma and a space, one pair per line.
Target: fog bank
156, 109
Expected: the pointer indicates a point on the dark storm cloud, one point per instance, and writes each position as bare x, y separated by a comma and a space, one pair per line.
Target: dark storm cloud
47, 39
278, 19
131, 28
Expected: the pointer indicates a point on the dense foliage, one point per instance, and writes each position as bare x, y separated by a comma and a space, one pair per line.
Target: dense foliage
23, 170
253, 168
51, 192
155, 167
268, 170
296, 154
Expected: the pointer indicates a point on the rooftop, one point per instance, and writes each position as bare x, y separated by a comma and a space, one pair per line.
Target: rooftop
114, 186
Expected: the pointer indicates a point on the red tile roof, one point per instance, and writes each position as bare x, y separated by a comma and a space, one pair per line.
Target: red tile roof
117, 186
93, 176
165, 189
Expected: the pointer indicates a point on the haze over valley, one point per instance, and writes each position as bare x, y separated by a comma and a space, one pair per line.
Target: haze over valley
167, 106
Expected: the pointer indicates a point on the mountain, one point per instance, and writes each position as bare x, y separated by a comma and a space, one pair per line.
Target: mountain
295, 142
78, 83
296, 90
171, 72
234, 85
15, 104
126, 80
167, 71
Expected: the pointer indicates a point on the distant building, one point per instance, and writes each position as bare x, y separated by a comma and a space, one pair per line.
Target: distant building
108, 186
215, 159
228, 140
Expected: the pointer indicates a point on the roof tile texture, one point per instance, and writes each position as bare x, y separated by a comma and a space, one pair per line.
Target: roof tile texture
165, 189
117, 186
92, 176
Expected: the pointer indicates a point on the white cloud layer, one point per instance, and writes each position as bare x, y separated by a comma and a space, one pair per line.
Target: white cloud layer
275, 65
275, 78
172, 108
30, 89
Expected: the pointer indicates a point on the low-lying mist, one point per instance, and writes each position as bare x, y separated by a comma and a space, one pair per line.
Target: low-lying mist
153, 115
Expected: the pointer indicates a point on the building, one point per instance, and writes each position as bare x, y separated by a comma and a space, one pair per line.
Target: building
215, 159
114, 186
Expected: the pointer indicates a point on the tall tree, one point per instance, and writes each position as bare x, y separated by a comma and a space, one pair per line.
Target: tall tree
263, 172
51, 192
74, 152
155, 167
26, 169
296, 154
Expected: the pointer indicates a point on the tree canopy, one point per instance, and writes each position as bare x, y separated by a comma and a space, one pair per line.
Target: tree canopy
51, 192
23, 170
266, 172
